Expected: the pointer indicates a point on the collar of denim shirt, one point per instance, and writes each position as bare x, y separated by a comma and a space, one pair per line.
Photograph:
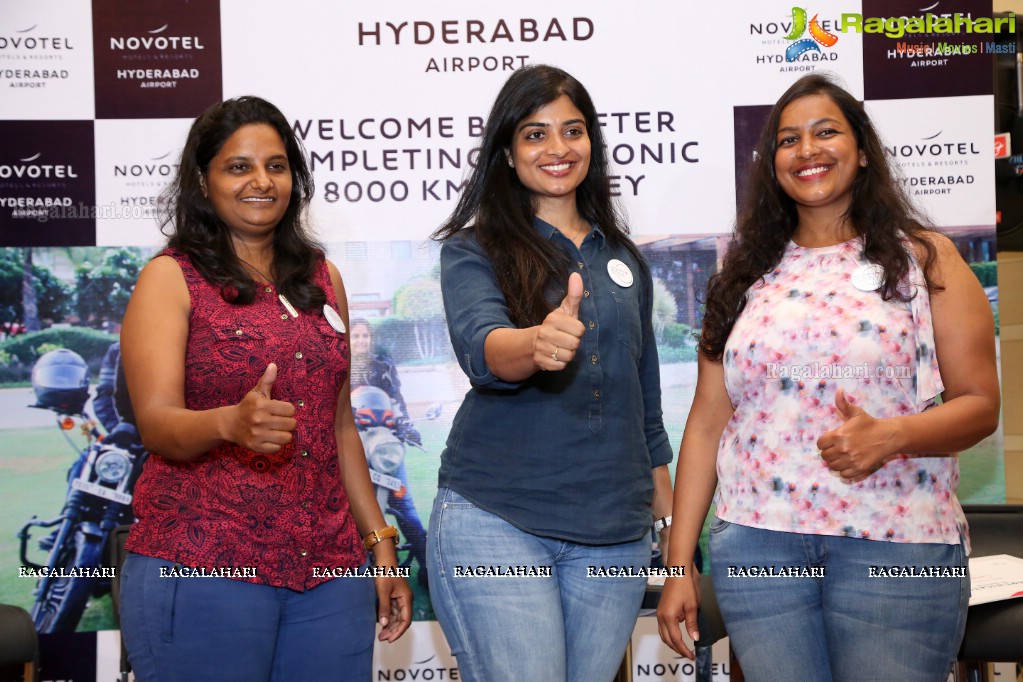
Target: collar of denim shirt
547, 231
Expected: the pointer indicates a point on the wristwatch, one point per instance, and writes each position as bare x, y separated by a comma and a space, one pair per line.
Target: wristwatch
372, 539
662, 523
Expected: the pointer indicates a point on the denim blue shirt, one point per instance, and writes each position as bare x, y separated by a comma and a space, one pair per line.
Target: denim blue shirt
562, 454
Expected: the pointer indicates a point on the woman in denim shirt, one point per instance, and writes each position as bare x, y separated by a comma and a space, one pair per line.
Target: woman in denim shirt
555, 466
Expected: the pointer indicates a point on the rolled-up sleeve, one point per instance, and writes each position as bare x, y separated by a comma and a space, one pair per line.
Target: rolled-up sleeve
650, 383
473, 305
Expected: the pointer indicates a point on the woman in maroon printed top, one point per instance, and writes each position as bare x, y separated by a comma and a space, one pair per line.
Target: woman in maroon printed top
255, 507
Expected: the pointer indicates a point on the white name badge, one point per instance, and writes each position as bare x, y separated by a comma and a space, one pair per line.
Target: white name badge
868, 277
620, 273
287, 305
333, 319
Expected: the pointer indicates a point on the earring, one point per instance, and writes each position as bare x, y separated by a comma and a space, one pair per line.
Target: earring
202, 185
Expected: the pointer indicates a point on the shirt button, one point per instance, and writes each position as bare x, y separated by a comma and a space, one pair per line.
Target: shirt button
586, 292
301, 403
298, 355
596, 394
593, 324
238, 332
305, 453
268, 290
284, 316
580, 264
593, 359
302, 552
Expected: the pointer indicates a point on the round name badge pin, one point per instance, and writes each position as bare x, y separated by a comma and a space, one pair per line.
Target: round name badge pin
868, 277
620, 273
333, 319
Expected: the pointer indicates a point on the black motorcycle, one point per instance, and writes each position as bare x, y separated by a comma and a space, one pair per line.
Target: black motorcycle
99, 495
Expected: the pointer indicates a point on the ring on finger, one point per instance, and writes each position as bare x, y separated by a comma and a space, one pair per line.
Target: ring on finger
554, 355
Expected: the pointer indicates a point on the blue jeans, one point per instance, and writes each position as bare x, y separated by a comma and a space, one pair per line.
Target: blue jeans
850, 622
219, 629
570, 625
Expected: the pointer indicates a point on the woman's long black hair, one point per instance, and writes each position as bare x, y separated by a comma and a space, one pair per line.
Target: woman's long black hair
193, 227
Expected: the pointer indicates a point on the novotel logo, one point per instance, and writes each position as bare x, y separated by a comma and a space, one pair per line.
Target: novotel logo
27, 169
156, 42
419, 672
929, 147
34, 42
158, 167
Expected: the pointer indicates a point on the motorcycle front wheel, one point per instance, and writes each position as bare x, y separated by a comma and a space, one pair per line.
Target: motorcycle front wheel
60, 604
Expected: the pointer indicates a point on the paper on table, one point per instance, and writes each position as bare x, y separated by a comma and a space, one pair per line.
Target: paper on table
995, 577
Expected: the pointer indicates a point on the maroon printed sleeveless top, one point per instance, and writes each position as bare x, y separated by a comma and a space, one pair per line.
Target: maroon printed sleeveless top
286, 515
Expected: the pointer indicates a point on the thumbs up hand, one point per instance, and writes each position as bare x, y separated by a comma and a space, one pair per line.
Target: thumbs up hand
558, 337
265, 384
574, 294
858, 447
263, 424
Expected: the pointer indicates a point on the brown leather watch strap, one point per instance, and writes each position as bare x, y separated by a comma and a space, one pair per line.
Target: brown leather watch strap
372, 539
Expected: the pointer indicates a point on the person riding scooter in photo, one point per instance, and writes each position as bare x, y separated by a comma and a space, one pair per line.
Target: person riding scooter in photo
372, 367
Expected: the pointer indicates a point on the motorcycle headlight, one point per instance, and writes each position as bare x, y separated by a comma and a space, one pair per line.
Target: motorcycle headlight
112, 466
386, 456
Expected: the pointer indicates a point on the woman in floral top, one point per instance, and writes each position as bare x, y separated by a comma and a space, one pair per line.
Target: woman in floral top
837, 320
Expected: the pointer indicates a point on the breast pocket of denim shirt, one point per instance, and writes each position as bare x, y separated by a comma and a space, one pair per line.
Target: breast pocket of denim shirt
630, 327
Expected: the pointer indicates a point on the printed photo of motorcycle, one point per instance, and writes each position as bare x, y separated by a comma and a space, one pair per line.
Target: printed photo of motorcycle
68, 552
386, 438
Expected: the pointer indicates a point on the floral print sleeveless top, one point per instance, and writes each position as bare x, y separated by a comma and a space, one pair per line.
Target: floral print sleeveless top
807, 330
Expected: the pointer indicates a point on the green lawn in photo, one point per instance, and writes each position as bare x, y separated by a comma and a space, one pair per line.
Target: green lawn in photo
422, 474
982, 471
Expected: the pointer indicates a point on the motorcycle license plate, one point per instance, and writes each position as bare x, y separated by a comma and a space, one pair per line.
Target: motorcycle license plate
389, 482
100, 491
